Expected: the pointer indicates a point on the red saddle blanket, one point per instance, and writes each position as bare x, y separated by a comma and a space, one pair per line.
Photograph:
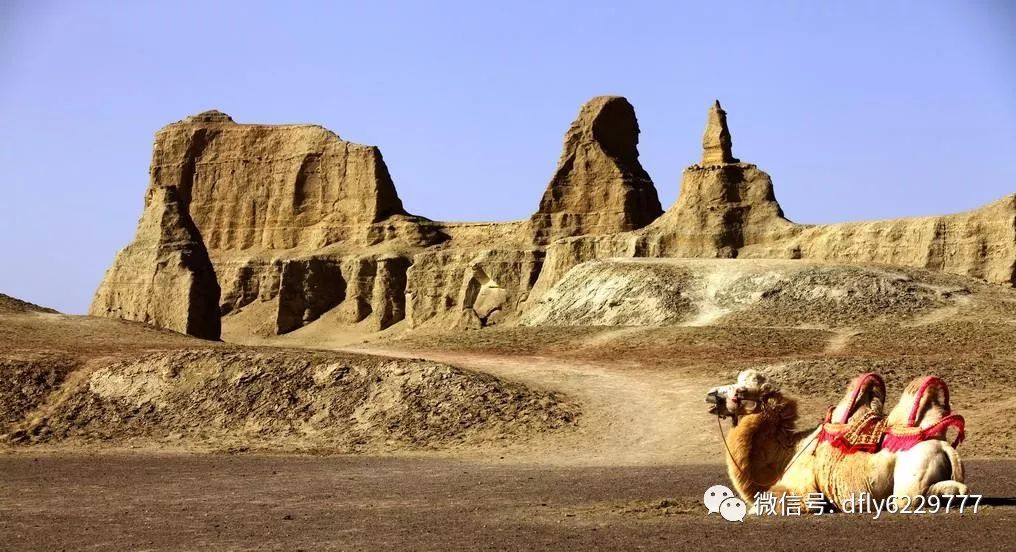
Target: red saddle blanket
871, 431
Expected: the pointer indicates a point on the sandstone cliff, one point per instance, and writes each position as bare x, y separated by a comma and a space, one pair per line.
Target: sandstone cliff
164, 277
287, 214
293, 222
273, 187
599, 186
728, 209
470, 288
979, 243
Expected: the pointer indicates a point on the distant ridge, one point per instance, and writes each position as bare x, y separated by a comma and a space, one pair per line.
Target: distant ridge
10, 305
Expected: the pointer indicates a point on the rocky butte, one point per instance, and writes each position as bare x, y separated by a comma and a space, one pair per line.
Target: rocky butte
263, 229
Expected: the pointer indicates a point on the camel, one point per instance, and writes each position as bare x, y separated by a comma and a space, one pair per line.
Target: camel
853, 453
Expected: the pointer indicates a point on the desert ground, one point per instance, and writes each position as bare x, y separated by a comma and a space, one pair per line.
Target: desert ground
549, 435
138, 501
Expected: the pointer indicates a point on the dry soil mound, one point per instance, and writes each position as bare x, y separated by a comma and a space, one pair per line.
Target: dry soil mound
10, 305
696, 292
617, 293
235, 399
26, 381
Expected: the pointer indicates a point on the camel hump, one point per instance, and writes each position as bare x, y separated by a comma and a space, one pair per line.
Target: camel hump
924, 403
866, 393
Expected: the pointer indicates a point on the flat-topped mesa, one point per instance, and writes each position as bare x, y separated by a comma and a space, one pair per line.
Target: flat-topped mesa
599, 186
717, 148
255, 212
273, 186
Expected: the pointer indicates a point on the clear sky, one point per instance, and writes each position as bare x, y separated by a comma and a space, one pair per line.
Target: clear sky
858, 110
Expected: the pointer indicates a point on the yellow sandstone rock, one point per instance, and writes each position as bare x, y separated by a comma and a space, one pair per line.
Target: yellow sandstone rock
291, 222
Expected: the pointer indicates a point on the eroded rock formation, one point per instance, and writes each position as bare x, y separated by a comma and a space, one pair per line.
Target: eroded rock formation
727, 209
717, 147
979, 243
599, 186
308, 288
273, 186
164, 277
293, 222
470, 287
289, 214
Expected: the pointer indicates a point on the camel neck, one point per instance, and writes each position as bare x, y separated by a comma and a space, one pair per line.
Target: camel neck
761, 446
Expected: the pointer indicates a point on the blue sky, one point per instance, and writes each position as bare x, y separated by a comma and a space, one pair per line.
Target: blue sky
858, 110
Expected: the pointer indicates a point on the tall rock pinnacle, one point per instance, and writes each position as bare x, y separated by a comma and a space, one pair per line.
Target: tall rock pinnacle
599, 186
716, 144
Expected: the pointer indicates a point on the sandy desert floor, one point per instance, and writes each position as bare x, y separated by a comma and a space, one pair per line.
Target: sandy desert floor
626, 473
264, 502
629, 478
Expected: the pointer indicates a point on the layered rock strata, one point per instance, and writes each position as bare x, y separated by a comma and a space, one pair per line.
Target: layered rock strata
728, 209
293, 222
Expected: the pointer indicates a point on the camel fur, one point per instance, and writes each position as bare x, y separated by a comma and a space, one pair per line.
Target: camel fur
766, 452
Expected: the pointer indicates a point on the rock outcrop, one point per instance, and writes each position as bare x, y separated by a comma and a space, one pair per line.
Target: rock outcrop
164, 277
717, 147
273, 186
599, 186
294, 223
721, 210
308, 288
469, 288
279, 211
979, 243
728, 209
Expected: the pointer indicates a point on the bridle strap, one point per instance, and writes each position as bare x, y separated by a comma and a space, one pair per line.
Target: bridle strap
746, 475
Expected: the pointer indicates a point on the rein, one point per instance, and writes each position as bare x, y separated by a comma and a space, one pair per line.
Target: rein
746, 475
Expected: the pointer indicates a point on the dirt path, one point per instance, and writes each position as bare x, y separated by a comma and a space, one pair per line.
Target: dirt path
840, 339
630, 416
942, 314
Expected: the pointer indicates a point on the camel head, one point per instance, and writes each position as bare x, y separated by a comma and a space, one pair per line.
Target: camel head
747, 395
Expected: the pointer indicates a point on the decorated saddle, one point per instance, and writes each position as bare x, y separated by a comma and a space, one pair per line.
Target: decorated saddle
857, 423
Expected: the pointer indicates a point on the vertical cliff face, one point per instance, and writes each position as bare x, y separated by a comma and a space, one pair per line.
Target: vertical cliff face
469, 287
164, 277
293, 222
254, 203
307, 289
599, 186
273, 187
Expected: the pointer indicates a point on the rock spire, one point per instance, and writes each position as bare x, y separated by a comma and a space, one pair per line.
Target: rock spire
599, 186
716, 143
